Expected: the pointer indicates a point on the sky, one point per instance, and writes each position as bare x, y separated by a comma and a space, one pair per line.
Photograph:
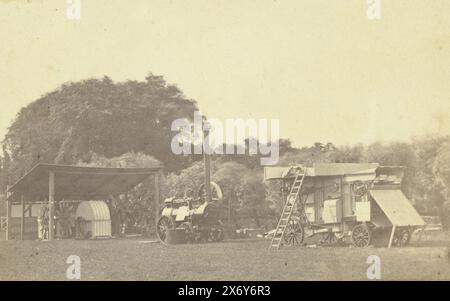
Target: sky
321, 67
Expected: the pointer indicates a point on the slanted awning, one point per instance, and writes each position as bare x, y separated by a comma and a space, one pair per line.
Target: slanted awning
397, 207
77, 182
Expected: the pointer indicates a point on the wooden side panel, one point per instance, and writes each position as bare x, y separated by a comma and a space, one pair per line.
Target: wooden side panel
30, 228
318, 200
348, 200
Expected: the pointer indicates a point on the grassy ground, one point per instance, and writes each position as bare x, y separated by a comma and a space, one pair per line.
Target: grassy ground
128, 259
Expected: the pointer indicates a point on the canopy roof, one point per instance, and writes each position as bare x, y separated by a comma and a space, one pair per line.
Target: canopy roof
322, 170
77, 182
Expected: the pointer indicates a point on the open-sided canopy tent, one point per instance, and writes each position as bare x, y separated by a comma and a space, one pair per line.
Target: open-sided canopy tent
52, 182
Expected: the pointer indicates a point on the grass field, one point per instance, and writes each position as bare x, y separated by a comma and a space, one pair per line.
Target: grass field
130, 259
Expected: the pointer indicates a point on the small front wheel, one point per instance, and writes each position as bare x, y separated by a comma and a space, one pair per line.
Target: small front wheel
216, 235
164, 224
294, 233
401, 238
361, 236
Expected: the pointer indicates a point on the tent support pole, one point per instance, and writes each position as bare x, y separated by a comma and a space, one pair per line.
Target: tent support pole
51, 199
8, 213
156, 197
392, 236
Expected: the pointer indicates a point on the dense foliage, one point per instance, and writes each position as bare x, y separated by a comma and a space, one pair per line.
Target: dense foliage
98, 116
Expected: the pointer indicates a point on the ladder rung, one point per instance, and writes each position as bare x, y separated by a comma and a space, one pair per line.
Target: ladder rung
287, 210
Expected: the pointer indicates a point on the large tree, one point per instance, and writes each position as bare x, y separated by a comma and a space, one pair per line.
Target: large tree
98, 116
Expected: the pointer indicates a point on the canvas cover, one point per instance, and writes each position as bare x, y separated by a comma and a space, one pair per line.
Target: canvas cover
397, 207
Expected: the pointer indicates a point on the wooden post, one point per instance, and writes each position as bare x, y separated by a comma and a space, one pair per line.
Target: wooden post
229, 212
156, 197
207, 161
392, 236
51, 199
22, 218
8, 212
207, 178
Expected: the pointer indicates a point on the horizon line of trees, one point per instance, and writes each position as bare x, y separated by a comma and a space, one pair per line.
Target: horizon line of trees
104, 123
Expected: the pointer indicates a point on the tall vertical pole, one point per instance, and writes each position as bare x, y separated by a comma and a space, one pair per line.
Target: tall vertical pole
229, 211
8, 212
157, 197
283, 196
51, 201
207, 162
22, 218
392, 236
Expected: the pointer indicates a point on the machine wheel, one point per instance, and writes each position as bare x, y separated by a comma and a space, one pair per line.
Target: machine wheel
216, 235
401, 238
361, 236
188, 230
216, 192
294, 233
164, 223
359, 188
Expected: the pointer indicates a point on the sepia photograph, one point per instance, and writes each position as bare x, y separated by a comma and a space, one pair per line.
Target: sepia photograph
227, 141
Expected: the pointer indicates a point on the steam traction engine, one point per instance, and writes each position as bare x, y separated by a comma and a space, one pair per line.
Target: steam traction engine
197, 218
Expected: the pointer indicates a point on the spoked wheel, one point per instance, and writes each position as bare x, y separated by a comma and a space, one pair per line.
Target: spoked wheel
329, 238
401, 238
361, 236
165, 223
294, 233
216, 192
215, 235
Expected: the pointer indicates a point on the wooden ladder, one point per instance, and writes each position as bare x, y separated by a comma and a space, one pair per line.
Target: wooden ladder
288, 209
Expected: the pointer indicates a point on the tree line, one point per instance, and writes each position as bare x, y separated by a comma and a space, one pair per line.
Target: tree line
105, 123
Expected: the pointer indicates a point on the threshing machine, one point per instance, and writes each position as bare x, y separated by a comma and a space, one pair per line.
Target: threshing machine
341, 201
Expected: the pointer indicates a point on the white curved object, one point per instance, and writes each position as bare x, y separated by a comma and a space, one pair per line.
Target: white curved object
97, 217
